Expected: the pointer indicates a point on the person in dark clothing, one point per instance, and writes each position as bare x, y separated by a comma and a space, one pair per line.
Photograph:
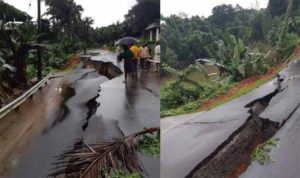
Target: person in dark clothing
127, 55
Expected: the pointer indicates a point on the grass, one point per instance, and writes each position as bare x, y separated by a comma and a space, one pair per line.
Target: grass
261, 153
241, 89
212, 99
190, 107
150, 144
121, 174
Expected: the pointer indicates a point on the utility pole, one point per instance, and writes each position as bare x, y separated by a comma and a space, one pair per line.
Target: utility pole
39, 52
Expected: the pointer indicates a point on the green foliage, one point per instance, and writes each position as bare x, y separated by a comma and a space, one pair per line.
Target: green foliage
17, 43
287, 45
222, 15
183, 89
31, 71
150, 144
277, 7
121, 174
183, 40
169, 57
136, 21
287, 41
191, 101
240, 42
261, 152
234, 59
183, 94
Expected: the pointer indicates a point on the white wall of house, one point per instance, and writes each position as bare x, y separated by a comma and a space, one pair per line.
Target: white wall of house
157, 34
151, 35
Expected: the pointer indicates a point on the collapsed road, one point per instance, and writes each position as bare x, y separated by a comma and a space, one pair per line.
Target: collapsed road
219, 142
93, 105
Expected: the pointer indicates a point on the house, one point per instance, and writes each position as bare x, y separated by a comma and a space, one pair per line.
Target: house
153, 31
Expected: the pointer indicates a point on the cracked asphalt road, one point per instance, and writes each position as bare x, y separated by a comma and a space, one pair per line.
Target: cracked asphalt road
196, 142
112, 109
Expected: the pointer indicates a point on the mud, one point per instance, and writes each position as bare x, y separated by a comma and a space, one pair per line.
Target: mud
107, 69
234, 156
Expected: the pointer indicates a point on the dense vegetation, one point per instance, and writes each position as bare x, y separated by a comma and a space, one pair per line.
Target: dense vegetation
136, 20
239, 42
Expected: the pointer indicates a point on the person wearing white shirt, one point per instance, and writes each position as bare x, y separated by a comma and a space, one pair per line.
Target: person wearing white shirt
157, 56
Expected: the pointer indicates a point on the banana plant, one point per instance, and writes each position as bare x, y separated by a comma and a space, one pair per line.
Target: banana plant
4, 65
183, 76
16, 44
233, 58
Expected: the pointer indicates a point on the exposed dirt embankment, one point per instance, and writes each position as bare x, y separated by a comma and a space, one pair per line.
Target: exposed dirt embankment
107, 69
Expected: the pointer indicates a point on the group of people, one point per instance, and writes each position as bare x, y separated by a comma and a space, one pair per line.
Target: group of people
132, 55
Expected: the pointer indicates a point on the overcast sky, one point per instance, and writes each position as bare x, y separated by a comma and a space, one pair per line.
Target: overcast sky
104, 12
203, 7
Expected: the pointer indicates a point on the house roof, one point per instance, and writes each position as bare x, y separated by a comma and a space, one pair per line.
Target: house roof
152, 25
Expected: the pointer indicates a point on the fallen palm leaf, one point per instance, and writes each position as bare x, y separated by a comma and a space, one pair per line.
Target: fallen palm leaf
90, 161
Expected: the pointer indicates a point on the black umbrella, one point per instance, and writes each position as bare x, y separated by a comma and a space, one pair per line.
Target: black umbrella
127, 41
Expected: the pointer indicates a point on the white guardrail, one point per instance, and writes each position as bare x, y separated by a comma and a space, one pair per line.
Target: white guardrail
17, 102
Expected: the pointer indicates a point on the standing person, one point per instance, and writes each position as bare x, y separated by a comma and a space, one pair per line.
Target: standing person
144, 54
135, 50
127, 55
157, 56
148, 63
118, 52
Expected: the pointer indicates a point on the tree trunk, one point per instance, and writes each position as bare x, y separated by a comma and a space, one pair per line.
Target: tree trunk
20, 64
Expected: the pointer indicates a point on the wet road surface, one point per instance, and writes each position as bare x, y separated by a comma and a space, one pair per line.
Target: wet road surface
94, 108
284, 109
197, 136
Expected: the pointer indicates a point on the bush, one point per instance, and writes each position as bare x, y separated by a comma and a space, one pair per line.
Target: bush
182, 98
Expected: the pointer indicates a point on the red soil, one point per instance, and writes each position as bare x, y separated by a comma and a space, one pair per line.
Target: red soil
243, 84
71, 62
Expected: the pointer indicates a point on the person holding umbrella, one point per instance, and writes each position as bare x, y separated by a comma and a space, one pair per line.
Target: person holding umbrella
127, 55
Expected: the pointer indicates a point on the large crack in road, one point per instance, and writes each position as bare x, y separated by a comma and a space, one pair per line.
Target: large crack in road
106, 69
233, 156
